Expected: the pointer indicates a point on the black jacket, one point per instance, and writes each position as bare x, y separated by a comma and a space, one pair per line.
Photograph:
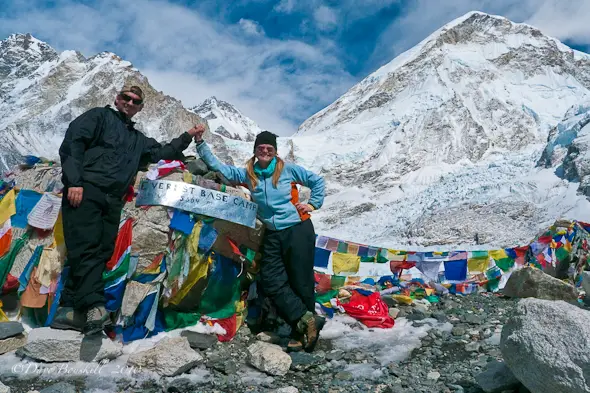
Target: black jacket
104, 149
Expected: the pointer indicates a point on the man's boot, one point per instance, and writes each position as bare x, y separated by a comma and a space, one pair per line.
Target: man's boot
66, 318
97, 318
310, 325
296, 342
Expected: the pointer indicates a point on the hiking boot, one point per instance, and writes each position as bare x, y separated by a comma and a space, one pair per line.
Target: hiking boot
296, 342
66, 318
310, 325
97, 318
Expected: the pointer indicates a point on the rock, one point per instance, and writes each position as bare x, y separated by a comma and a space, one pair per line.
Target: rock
434, 375
302, 361
53, 345
545, 345
268, 337
458, 331
344, 376
181, 385
389, 300
4, 388
288, 389
474, 319
497, 378
472, 346
170, 357
269, 358
532, 282
440, 316
61, 387
10, 329
12, 343
335, 355
394, 312
199, 340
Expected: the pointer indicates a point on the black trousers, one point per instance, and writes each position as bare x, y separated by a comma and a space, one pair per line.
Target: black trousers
90, 233
286, 272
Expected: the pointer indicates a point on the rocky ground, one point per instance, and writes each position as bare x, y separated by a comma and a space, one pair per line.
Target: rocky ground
441, 348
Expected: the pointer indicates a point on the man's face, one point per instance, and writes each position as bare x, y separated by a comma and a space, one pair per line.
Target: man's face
265, 153
129, 103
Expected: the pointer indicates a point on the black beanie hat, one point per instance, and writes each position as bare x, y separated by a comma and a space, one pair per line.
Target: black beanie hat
266, 138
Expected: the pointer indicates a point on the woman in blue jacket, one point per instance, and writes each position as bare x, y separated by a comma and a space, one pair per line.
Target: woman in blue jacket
288, 246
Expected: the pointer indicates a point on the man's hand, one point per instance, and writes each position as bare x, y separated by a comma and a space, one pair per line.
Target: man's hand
75, 196
303, 208
197, 132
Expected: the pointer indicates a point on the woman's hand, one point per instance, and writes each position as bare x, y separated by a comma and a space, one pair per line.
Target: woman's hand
197, 132
303, 208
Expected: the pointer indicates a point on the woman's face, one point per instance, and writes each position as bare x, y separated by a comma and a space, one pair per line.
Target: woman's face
265, 153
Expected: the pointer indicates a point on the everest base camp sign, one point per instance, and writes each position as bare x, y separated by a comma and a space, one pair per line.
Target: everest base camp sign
197, 200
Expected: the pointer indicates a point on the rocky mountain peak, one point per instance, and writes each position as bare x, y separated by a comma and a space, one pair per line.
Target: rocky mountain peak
226, 120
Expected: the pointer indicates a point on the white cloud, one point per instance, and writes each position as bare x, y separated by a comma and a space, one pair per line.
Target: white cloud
251, 27
285, 6
325, 17
564, 20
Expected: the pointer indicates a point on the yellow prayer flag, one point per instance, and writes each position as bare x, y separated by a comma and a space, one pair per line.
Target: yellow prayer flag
478, 264
58, 231
498, 254
403, 299
7, 206
199, 265
187, 177
429, 291
348, 263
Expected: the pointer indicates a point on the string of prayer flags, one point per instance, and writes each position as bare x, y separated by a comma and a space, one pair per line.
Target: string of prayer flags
456, 270
321, 258
26, 200
5, 237
7, 206
346, 263
429, 269
44, 214
478, 262
504, 261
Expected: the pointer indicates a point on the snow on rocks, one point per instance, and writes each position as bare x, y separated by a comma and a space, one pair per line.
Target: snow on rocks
170, 357
545, 345
52, 345
532, 282
269, 358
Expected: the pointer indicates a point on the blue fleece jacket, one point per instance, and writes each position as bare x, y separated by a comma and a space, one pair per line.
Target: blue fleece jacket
276, 208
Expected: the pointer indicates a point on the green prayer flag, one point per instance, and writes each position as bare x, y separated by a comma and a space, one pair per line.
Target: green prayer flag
326, 297
176, 320
505, 264
342, 247
367, 259
337, 282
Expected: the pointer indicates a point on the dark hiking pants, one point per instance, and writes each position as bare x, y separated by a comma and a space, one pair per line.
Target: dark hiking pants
286, 271
90, 233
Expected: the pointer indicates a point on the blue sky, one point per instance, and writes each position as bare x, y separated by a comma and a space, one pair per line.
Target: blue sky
278, 61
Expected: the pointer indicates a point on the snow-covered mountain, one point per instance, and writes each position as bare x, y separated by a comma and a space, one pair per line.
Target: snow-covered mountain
226, 120
440, 146
41, 91
475, 138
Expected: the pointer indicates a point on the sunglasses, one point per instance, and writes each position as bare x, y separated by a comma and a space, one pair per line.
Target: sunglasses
126, 98
263, 149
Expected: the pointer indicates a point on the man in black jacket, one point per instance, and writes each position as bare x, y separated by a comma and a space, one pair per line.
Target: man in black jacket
100, 156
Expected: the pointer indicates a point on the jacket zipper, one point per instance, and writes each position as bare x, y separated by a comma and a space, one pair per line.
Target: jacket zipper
267, 205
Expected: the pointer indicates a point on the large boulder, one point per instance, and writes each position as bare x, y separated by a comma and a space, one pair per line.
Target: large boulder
170, 357
269, 358
546, 345
532, 282
52, 345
